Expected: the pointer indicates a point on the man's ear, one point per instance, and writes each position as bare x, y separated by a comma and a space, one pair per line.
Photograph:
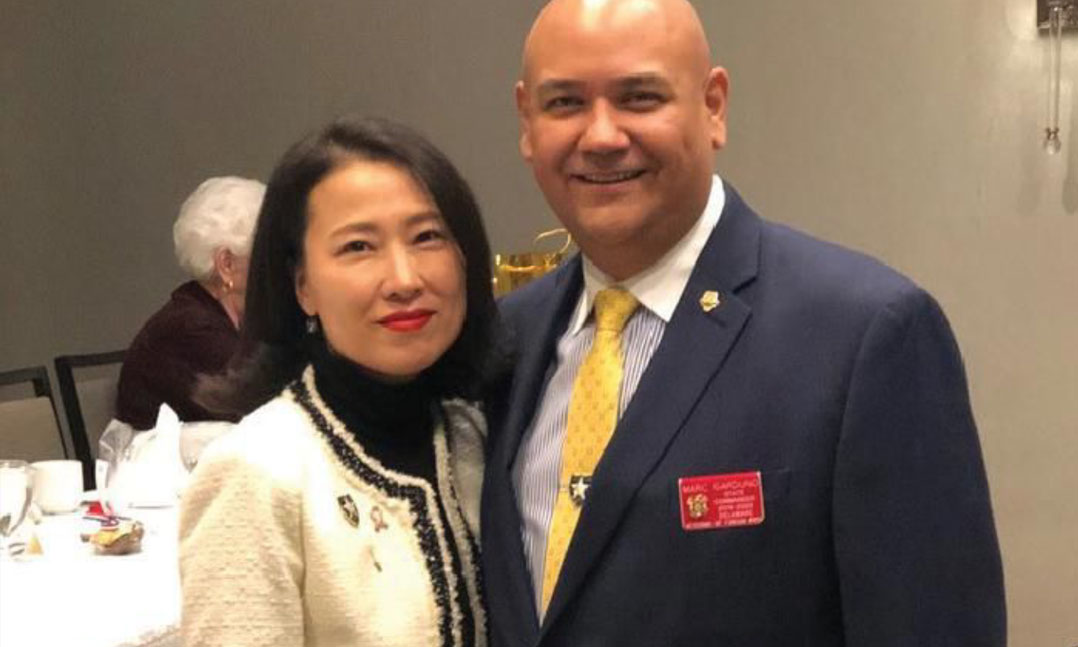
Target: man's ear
521, 95
303, 295
715, 94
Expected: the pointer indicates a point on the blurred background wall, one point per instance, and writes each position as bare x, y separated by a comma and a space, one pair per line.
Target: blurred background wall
910, 130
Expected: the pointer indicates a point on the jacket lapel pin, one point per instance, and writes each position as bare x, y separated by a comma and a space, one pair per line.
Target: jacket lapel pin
578, 488
710, 300
378, 519
349, 509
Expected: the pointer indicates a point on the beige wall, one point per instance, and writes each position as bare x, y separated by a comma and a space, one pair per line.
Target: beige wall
906, 129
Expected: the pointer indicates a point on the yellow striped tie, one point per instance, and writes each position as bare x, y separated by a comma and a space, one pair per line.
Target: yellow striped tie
593, 413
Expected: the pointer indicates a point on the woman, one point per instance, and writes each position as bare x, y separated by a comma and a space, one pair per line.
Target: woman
196, 332
344, 511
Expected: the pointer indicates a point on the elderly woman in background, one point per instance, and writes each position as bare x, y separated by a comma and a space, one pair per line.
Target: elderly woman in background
344, 509
196, 332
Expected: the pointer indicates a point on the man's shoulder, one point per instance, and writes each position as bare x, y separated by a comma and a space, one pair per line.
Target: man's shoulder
523, 306
803, 280
799, 264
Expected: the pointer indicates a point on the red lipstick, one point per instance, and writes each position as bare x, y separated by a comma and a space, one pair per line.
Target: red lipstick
406, 320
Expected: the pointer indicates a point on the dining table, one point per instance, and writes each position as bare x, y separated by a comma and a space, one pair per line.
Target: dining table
72, 596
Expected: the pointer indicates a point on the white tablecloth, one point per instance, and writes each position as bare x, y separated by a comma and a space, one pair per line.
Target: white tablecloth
76, 599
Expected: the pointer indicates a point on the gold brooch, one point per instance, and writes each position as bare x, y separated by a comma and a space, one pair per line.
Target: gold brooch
710, 300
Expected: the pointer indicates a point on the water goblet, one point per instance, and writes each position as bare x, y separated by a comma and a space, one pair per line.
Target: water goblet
115, 496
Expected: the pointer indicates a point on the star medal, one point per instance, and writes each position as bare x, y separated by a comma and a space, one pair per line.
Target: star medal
578, 488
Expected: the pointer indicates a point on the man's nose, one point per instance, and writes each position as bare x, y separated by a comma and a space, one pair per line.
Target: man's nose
604, 132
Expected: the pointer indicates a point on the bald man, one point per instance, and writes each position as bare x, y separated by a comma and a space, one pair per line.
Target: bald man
771, 445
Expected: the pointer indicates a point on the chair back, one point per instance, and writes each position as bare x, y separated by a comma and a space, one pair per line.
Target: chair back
88, 388
29, 424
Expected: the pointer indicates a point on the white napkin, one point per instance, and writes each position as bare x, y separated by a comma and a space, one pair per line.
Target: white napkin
148, 468
159, 472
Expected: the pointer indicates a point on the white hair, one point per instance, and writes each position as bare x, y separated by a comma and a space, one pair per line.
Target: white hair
222, 212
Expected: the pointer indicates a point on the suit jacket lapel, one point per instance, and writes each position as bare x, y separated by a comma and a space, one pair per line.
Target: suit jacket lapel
693, 348
535, 360
528, 381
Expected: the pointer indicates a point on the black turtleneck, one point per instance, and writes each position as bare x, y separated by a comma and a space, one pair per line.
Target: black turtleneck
393, 422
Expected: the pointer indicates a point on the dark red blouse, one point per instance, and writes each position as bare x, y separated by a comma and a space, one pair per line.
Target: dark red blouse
191, 335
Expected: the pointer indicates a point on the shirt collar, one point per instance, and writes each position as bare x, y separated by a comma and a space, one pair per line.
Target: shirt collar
659, 287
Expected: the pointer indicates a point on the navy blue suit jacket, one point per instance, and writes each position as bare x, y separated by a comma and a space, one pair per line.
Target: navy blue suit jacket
831, 374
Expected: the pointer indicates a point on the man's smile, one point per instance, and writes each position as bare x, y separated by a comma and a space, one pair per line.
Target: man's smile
607, 177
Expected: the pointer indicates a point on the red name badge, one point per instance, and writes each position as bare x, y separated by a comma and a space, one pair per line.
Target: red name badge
721, 501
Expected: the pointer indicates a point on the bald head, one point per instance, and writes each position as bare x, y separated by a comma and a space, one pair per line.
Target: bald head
673, 21
620, 115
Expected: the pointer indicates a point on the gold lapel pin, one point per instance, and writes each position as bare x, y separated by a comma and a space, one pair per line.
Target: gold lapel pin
710, 300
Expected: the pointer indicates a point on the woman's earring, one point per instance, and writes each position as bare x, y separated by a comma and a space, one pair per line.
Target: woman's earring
312, 325
229, 285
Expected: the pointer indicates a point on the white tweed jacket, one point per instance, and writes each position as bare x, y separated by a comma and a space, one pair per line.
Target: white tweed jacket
291, 535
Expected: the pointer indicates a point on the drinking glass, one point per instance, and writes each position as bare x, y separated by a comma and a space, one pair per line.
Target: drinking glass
16, 492
116, 494
114, 450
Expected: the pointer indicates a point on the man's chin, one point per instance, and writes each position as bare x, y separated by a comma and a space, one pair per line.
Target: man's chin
608, 227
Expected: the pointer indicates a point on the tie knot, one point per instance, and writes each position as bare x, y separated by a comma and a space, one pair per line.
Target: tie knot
613, 307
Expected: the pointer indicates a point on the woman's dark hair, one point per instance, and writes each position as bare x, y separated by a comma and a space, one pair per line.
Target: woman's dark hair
274, 347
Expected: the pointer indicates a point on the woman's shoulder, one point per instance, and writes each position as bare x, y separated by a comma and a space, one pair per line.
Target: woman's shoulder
185, 331
271, 440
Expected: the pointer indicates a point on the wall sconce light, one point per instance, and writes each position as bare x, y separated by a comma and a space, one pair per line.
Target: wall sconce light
1054, 16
